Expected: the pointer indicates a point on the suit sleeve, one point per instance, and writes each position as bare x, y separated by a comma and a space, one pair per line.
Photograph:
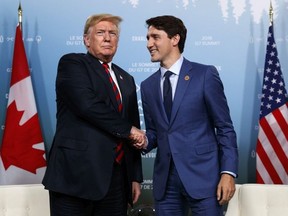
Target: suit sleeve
219, 113
133, 113
74, 88
149, 124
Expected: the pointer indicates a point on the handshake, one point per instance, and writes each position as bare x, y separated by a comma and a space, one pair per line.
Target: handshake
138, 138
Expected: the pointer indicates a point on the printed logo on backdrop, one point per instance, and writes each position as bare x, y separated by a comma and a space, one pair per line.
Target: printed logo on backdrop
207, 41
138, 38
75, 40
143, 67
149, 155
30, 39
147, 184
36, 39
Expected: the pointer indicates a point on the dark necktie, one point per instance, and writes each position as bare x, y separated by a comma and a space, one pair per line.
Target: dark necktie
119, 148
167, 94
114, 86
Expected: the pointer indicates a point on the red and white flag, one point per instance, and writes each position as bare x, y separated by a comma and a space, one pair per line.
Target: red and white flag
272, 143
22, 153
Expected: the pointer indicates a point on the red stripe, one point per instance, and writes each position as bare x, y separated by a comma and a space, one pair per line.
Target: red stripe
120, 157
281, 122
119, 148
115, 89
267, 163
274, 143
120, 107
259, 179
119, 152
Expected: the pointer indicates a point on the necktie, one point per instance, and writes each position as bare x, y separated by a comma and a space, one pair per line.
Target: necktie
119, 148
167, 94
114, 86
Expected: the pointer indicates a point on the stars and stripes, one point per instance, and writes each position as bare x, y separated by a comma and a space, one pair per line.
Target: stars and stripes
272, 143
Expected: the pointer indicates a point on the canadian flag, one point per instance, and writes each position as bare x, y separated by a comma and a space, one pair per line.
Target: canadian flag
22, 153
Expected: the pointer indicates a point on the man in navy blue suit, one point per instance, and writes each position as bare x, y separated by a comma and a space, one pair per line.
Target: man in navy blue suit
97, 116
197, 155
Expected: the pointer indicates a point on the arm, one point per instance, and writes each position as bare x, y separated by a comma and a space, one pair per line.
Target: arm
150, 140
226, 136
220, 116
75, 89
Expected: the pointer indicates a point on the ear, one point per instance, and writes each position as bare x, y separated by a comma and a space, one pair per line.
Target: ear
86, 39
175, 39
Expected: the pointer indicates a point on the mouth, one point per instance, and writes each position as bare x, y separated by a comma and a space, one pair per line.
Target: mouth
152, 51
106, 45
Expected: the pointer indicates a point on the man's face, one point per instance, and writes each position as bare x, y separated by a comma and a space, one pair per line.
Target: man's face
159, 45
102, 40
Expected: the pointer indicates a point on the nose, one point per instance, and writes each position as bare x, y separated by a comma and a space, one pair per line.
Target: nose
149, 43
107, 36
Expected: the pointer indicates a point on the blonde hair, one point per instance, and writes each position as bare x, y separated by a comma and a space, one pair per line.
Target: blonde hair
94, 19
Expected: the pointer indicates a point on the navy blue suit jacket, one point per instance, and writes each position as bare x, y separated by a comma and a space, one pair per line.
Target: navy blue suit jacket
89, 127
200, 136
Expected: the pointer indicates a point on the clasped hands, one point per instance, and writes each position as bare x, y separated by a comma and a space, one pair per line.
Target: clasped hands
138, 138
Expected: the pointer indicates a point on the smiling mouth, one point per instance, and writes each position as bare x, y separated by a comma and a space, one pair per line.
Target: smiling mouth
152, 51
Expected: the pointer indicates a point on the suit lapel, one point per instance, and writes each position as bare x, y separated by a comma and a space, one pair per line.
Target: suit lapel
98, 69
159, 99
121, 84
183, 82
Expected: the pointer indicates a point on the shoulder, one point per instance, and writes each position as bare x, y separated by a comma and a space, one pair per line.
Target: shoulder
70, 57
121, 71
199, 67
73, 55
196, 64
152, 78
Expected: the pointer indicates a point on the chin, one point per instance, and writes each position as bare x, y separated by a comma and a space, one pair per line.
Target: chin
154, 60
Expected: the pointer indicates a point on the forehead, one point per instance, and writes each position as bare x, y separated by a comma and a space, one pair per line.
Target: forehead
106, 25
153, 31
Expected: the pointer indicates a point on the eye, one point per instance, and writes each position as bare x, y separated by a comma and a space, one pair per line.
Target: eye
113, 34
100, 33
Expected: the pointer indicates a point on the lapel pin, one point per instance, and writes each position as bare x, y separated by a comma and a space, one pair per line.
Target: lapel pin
186, 77
121, 77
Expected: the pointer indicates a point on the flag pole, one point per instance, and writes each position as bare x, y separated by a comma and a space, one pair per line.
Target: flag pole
271, 13
20, 16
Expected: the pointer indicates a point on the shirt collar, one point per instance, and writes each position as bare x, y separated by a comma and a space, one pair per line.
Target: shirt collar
175, 68
109, 64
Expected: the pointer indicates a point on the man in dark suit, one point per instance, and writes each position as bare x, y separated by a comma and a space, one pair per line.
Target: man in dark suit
97, 116
187, 118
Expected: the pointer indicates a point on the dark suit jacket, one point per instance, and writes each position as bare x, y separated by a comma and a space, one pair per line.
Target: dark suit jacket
88, 128
200, 136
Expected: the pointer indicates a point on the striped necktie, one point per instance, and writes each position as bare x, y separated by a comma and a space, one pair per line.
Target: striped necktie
119, 148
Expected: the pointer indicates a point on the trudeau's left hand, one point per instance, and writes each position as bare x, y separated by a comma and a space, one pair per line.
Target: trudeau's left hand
225, 189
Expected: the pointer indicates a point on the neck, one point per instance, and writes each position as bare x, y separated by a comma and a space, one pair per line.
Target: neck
170, 61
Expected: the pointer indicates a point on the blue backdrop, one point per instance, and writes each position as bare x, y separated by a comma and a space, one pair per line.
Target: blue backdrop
230, 34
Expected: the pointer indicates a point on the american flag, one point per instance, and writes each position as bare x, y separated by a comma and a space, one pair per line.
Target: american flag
272, 143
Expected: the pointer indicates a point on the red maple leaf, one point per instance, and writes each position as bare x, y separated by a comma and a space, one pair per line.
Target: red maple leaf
18, 141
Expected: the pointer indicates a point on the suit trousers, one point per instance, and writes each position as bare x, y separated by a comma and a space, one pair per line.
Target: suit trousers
113, 204
177, 202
